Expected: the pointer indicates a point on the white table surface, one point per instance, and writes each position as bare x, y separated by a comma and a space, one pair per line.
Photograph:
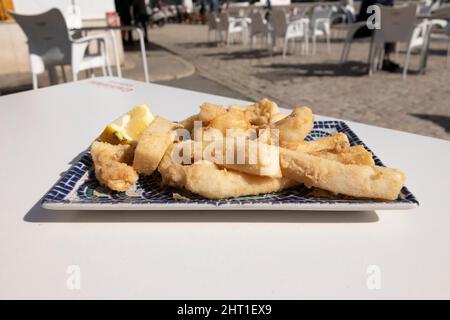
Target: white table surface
209, 255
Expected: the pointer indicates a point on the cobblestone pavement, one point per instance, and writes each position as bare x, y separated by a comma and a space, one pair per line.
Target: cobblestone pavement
419, 104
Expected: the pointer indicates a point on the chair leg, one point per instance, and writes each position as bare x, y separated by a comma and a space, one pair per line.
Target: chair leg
106, 68
314, 44
286, 42
307, 41
448, 51
377, 55
328, 42
53, 75
405, 68
35, 81
345, 51
371, 57
63, 73
380, 58
379, 66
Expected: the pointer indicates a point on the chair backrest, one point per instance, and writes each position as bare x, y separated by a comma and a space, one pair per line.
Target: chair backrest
47, 35
350, 15
321, 13
257, 24
435, 5
442, 12
426, 7
278, 20
420, 31
397, 24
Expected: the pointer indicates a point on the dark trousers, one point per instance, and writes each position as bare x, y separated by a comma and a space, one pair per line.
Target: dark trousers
365, 32
142, 21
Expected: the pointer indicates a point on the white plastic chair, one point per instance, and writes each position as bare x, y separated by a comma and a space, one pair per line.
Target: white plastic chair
417, 41
351, 31
320, 25
444, 25
50, 45
288, 30
258, 27
230, 27
397, 25
341, 21
428, 6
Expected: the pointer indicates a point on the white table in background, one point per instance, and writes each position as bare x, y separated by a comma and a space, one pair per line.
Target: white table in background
164, 255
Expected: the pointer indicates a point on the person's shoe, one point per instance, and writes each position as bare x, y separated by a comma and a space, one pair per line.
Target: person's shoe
390, 66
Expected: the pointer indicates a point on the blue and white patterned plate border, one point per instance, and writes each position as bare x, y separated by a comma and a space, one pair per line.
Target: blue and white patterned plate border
79, 190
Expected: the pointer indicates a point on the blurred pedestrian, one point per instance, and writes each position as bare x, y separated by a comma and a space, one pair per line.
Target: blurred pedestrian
267, 9
123, 8
388, 64
214, 5
202, 11
141, 16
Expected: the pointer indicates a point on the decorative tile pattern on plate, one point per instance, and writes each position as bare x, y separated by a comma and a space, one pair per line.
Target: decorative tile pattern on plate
79, 189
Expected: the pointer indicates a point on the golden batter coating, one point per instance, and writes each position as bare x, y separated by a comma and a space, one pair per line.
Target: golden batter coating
111, 165
336, 143
353, 155
153, 144
348, 179
294, 128
208, 180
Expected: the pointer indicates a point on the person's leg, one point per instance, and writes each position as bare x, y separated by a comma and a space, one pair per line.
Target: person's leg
144, 21
388, 64
388, 49
143, 26
363, 32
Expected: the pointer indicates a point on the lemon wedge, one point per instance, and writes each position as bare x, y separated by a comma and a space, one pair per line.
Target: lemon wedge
128, 128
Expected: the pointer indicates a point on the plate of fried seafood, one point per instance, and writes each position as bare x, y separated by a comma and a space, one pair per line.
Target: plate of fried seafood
232, 158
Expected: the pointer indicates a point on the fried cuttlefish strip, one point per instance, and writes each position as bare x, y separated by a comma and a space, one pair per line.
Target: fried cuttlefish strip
155, 140
294, 128
336, 143
209, 112
262, 112
337, 147
173, 173
111, 163
188, 123
362, 181
208, 180
231, 121
277, 117
353, 155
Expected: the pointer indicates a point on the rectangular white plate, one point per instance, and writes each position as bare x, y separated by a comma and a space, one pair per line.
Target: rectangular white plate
78, 189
